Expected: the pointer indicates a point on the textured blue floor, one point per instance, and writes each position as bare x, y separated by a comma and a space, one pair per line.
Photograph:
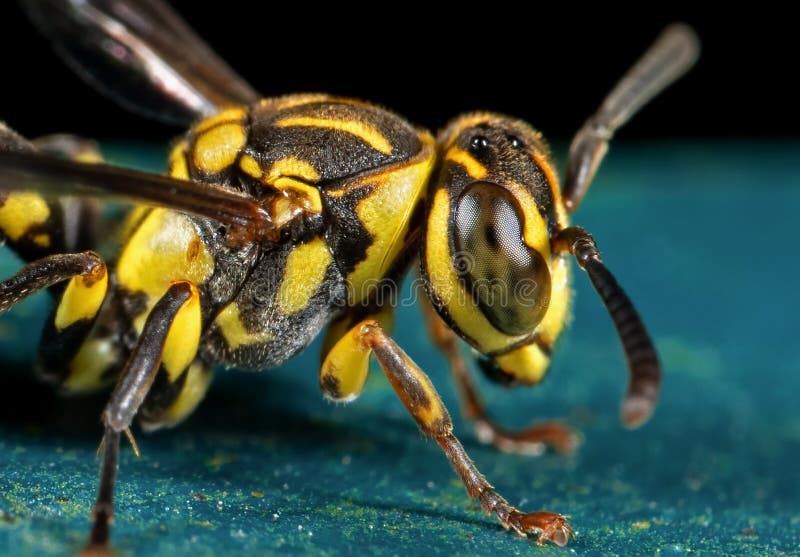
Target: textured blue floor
704, 240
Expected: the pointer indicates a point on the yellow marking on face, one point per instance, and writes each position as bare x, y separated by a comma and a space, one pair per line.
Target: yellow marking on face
20, 212
42, 240
345, 367
178, 167
183, 338
474, 168
230, 325
528, 364
87, 368
303, 274
195, 386
552, 178
369, 134
217, 149
82, 298
557, 314
457, 300
251, 167
386, 213
234, 115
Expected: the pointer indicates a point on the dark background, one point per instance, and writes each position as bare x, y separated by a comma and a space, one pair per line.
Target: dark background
551, 70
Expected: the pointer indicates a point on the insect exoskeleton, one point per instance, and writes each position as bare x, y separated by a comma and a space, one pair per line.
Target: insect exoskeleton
281, 216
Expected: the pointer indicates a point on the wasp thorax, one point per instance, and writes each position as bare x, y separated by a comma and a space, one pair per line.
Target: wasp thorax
508, 280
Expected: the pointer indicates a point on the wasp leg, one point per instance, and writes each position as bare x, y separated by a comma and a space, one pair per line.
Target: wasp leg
423, 403
673, 53
531, 441
29, 224
172, 400
643, 366
345, 362
134, 383
35, 226
85, 269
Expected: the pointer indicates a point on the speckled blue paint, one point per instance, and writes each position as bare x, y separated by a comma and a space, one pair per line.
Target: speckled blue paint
702, 236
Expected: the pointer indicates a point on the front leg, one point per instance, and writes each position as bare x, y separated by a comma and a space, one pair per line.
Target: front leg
423, 402
531, 440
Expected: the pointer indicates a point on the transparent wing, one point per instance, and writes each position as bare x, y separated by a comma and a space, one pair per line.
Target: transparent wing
141, 54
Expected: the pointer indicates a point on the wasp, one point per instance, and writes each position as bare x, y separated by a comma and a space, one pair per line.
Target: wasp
278, 218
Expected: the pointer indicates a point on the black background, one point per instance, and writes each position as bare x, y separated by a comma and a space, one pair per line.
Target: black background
551, 70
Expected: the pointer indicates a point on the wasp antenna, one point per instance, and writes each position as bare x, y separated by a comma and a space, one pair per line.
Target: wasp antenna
643, 365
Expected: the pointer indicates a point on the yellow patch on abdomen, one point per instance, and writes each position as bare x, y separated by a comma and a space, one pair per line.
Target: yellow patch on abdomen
20, 212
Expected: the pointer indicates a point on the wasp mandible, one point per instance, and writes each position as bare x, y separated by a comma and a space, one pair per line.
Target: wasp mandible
278, 217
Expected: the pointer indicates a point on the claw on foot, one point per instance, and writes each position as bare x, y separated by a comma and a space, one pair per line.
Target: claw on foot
552, 527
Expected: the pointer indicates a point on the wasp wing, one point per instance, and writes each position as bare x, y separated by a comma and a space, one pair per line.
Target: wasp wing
59, 177
141, 54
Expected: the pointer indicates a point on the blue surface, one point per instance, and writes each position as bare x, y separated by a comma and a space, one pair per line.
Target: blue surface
701, 236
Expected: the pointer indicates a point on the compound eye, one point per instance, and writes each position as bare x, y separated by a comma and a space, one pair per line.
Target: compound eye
509, 280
